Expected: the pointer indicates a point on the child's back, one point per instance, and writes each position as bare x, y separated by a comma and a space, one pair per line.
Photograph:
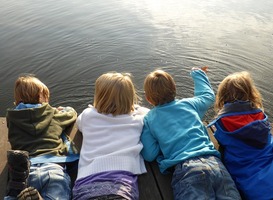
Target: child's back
243, 130
110, 157
179, 131
110, 142
36, 129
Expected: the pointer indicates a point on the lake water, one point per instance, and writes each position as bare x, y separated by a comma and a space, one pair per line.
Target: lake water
69, 43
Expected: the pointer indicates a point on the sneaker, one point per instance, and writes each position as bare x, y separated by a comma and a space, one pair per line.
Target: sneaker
29, 193
18, 168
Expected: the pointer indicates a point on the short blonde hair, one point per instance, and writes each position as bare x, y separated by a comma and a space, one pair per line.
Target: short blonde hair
115, 94
29, 89
238, 86
159, 87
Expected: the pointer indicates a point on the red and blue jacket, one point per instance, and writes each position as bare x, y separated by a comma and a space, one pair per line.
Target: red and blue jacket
244, 133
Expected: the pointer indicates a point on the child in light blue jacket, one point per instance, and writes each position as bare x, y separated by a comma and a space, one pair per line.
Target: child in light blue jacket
176, 137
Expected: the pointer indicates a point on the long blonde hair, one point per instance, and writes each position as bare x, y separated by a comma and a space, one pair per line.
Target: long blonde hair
115, 94
238, 86
159, 87
29, 89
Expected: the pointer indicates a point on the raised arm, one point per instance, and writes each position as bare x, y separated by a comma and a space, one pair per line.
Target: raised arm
203, 92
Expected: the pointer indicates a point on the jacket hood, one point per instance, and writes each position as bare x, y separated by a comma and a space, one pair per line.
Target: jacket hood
32, 120
255, 134
251, 131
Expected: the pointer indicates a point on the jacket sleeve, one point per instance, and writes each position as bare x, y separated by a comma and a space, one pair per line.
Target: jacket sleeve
66, 118
151, 148
203, 93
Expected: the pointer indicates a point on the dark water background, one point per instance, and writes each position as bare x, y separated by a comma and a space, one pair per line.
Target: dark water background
69, 43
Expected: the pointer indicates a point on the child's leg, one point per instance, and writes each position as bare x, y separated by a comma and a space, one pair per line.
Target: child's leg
190, 182
224, 185
194, 179
18, 168
51, 180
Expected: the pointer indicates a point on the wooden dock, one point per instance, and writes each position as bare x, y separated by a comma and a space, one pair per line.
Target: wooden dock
152, 185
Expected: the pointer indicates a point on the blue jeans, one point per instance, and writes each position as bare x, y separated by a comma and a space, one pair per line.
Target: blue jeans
203, 177
51, 180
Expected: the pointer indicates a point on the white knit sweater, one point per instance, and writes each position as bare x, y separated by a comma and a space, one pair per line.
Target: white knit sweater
110, 142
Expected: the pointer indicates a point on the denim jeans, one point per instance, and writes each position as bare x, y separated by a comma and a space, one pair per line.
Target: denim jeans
10, 198
203, 178
51, 180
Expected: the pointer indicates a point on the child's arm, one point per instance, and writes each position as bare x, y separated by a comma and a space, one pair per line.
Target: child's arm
204, 69
203, 92
150, 145
141, 110
65, 116
78, 122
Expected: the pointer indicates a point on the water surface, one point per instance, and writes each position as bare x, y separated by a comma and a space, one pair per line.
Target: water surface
68, 44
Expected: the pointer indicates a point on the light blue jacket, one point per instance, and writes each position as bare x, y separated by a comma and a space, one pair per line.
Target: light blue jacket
174, 132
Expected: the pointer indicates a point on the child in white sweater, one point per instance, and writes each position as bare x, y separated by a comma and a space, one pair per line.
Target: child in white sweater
110, 157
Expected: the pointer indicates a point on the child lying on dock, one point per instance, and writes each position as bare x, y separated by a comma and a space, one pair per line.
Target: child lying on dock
243, 130
176, 137
110, 159
40, 149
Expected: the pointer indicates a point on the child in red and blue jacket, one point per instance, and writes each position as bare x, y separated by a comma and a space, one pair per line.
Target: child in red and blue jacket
243, 130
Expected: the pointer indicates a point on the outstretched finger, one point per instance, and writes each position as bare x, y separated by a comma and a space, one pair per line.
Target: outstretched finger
205, 69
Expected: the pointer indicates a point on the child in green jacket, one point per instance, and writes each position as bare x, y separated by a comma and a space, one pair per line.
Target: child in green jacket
36, 133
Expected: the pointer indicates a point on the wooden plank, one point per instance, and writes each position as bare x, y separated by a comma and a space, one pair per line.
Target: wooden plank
147, 185
75, 135
4, 146
163, 182
212, 138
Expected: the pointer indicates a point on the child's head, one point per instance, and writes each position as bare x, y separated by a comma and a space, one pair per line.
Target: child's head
159, 88
115, 94
29, 89
238, 86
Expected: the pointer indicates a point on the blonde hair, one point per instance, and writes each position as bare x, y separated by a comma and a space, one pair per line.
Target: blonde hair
29, 89
159, 87
238, 86
115, 94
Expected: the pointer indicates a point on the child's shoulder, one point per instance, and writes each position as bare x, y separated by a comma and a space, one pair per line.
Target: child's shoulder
140, 110
89, 110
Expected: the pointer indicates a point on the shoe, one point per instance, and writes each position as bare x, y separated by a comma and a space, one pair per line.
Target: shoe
18, 168
29, 193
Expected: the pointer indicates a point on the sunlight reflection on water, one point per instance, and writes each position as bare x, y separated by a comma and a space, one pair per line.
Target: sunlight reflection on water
68, 44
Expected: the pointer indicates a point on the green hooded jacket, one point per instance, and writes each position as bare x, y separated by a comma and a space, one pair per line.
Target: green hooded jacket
38, 130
